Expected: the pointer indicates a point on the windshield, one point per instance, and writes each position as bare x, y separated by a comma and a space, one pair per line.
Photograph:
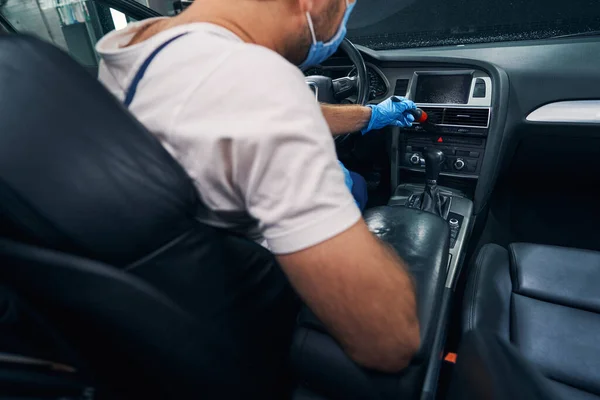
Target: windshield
394, 24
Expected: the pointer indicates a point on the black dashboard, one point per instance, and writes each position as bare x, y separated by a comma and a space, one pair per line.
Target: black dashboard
459, 104
486, 98
379, 85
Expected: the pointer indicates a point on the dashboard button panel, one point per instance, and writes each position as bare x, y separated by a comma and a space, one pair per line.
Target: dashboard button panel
463, 155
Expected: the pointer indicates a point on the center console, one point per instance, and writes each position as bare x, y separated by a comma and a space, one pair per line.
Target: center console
448, 203
458, 103
426, 223
449, 147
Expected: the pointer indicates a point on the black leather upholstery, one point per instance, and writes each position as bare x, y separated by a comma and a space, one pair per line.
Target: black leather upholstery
545, 300
432, 200
154, 289
422, 240
491, 368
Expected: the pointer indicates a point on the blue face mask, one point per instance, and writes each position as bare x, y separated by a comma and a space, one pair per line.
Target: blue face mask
320, 51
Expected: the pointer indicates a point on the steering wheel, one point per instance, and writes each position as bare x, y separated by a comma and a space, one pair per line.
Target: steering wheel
333, 91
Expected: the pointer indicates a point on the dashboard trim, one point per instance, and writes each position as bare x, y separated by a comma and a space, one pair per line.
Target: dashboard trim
315, 88
475, 76
393, 62
386, 82
568, 112
383, 77
448, 174
462, 207
465, 106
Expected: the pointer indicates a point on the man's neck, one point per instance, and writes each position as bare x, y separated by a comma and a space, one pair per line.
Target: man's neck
254, 22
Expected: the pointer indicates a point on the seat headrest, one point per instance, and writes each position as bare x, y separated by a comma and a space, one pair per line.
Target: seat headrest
77, 172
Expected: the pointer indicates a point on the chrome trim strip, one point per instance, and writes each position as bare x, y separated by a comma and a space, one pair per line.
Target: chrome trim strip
24, 360
449, 105
459, 126
316, 89
462, 207
468, 126
449, 174
395, 159
569, 112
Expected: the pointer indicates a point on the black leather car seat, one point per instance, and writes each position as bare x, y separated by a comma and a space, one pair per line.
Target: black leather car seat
545, 300
491, 368
99, 233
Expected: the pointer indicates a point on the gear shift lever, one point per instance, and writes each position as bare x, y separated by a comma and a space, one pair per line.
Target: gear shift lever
432, 200
433, 164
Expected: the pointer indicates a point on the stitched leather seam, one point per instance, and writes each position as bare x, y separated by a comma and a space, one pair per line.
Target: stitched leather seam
572, 386
513, 267
514, 278
478, 264
159, 251
556, 303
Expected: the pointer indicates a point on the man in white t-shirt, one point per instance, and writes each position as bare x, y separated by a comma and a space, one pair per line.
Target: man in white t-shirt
220, 87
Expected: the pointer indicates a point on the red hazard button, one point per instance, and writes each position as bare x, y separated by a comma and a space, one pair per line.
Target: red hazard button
440, 140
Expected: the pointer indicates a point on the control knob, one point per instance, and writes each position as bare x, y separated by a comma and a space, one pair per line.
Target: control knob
459, 164
415, 159
454, 224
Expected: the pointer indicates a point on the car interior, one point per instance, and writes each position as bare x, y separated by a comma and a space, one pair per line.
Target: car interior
105, 275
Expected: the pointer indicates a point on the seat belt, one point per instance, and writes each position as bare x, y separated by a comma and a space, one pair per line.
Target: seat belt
130, 94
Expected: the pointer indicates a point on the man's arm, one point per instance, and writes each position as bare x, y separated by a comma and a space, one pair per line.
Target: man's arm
363, 294
343, 119
284, 173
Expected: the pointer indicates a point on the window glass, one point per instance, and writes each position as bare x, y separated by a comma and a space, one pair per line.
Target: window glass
393, 24
73, 25
165, 7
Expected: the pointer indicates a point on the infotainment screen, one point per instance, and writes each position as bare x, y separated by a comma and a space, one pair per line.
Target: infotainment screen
443, 89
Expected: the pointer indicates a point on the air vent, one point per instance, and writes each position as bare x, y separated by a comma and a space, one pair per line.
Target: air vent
466, 117
435, 115
401, 87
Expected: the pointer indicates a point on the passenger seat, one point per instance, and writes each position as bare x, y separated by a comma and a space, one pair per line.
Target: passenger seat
545, 300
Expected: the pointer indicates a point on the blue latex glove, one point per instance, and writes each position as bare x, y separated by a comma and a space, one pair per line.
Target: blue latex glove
391, 112
349, 181
347, 177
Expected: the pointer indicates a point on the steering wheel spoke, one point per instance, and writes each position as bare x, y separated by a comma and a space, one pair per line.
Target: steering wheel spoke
345, 87
332, 91
322, 86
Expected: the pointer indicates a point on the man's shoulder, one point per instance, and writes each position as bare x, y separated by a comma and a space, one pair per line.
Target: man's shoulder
256, 81
257, 65
266, 61
242, 87
269, 73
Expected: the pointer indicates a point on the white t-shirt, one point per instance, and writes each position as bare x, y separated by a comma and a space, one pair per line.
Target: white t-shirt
245, 126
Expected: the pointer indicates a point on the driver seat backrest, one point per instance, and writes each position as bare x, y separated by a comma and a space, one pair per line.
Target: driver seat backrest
85, 188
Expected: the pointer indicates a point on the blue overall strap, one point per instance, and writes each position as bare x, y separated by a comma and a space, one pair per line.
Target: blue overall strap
142, 71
